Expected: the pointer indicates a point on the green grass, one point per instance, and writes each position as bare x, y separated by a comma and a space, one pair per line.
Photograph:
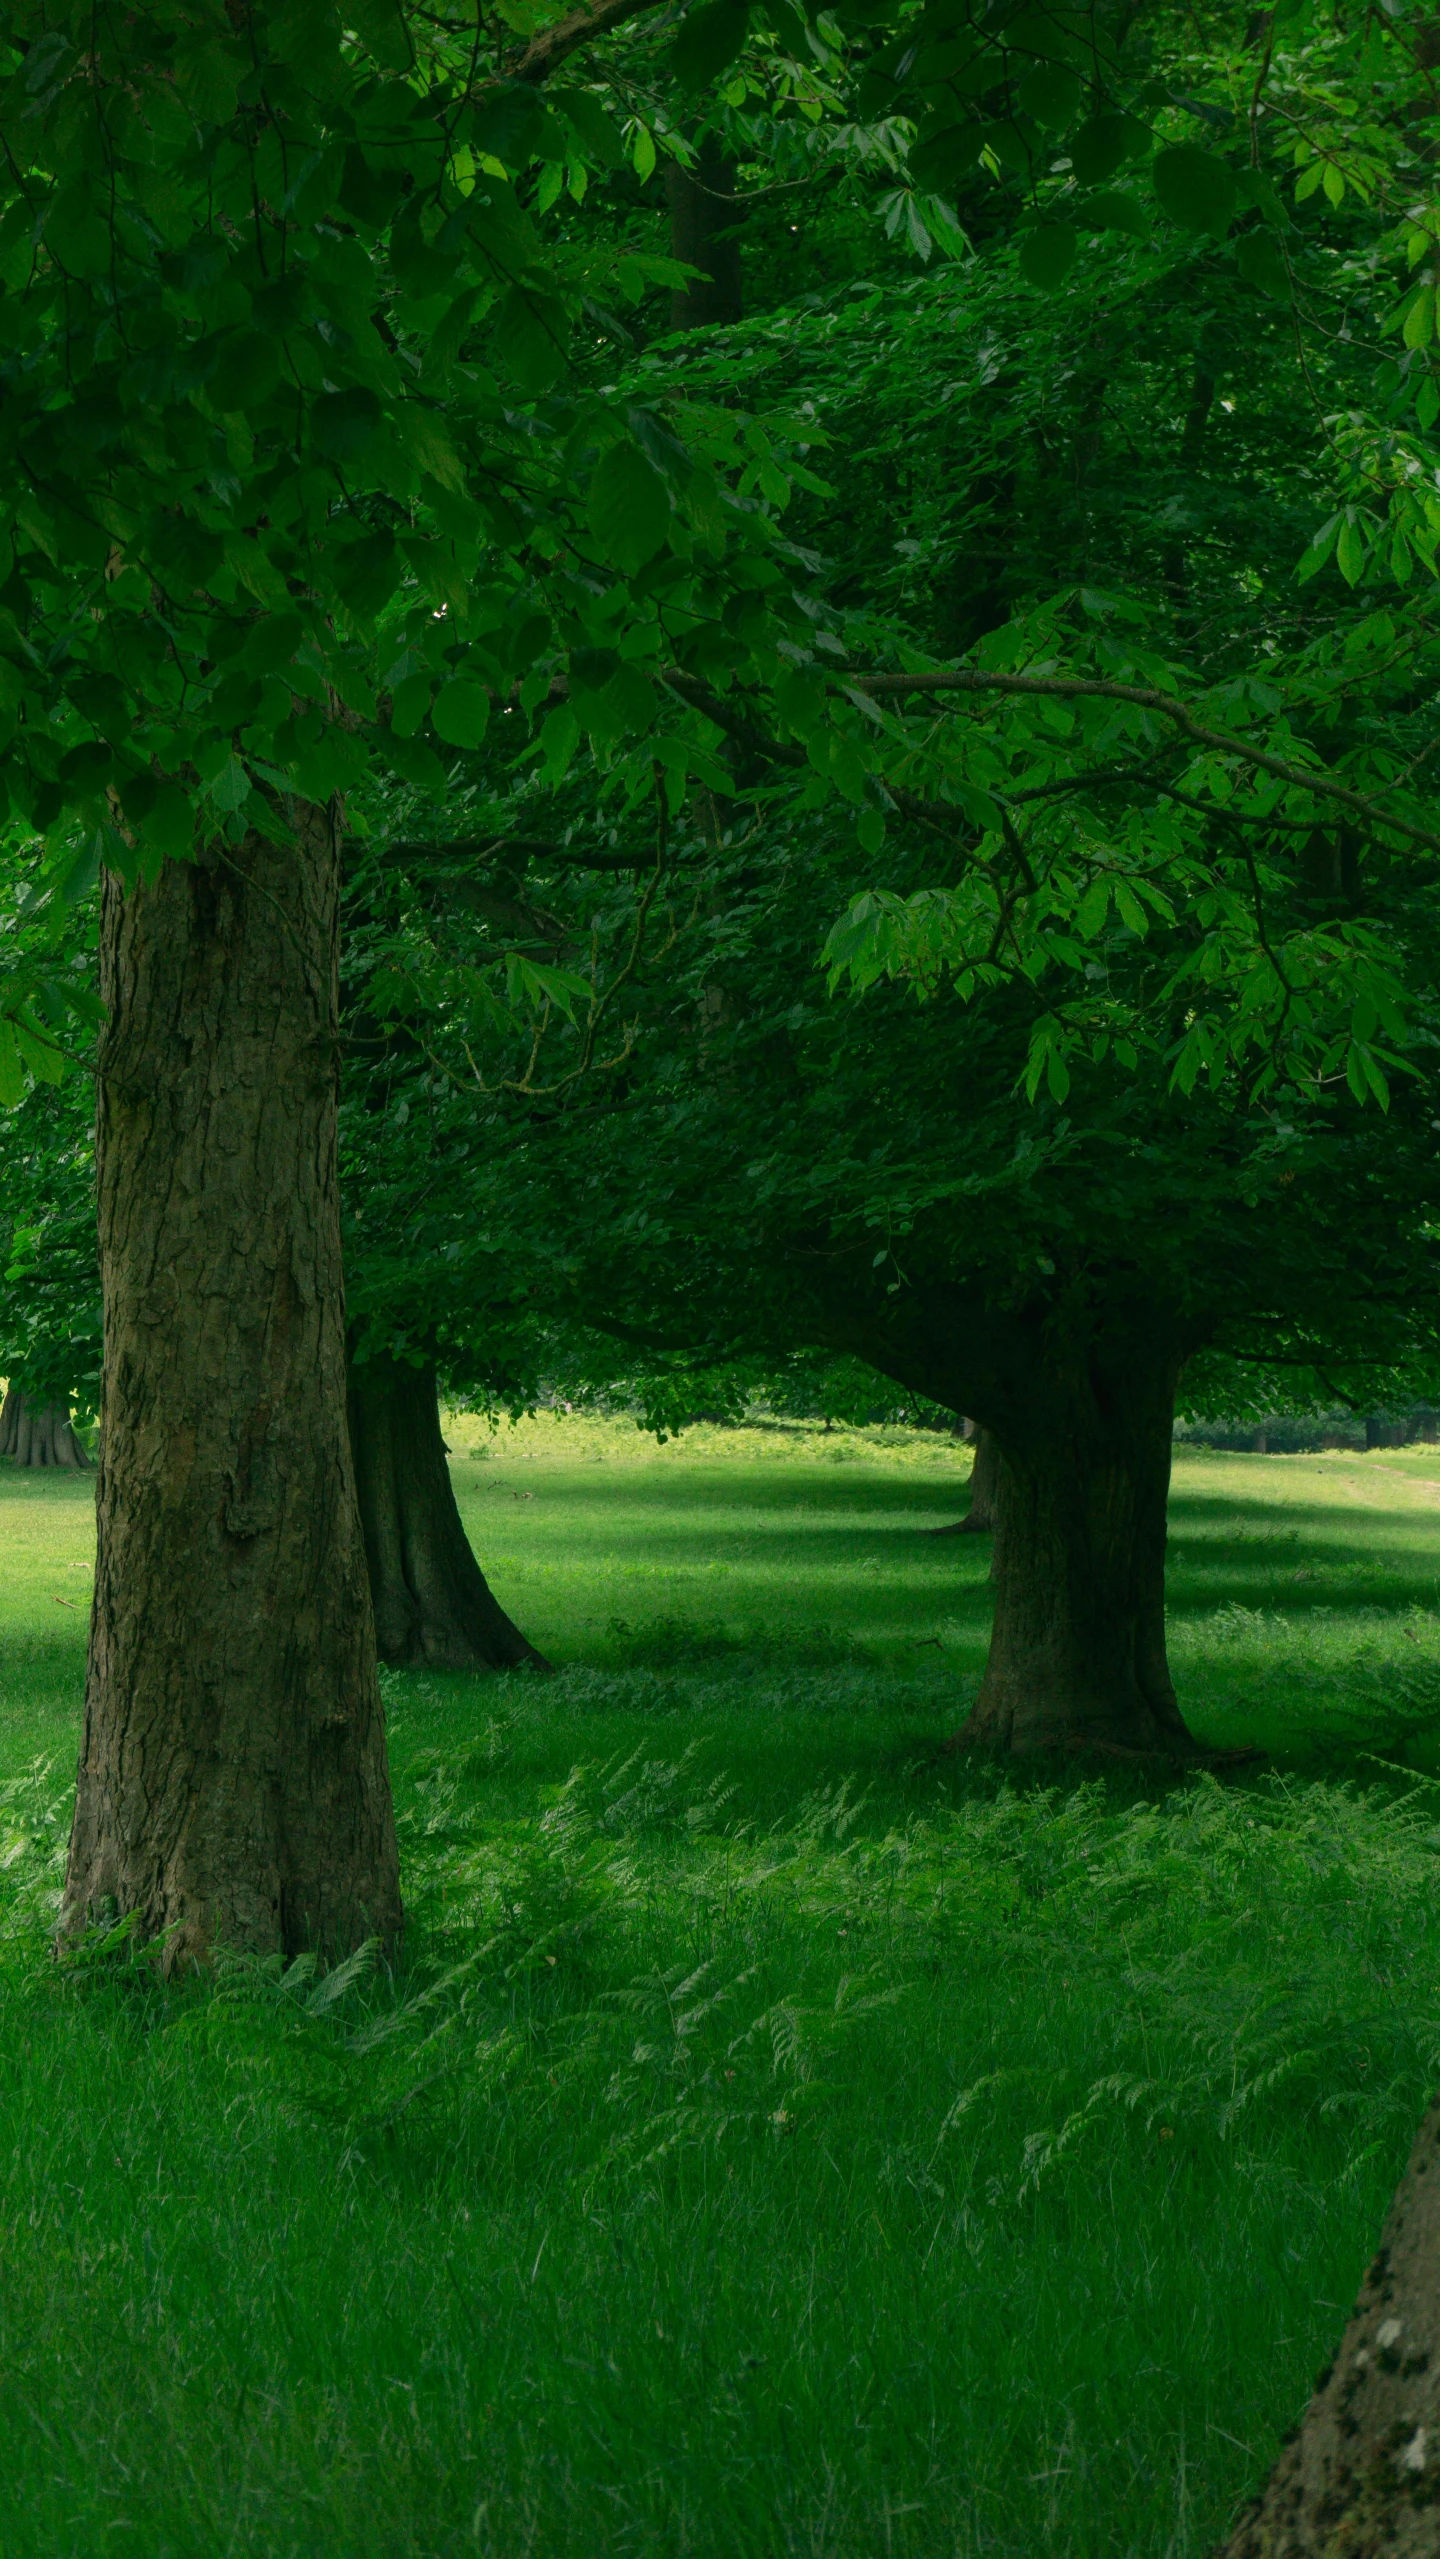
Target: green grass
776, 2140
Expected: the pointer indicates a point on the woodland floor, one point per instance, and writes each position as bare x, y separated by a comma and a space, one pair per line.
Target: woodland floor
777, 2140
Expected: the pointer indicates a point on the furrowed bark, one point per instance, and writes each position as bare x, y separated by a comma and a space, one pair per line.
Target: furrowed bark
233, 1788
1077, 1650
432, 1602
1361, 2477
39, 1434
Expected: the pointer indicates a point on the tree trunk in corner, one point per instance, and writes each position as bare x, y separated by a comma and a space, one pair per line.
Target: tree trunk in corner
432, 1602
1361, 2477
39, 1434
702, 206
233, 1788
1077, 1651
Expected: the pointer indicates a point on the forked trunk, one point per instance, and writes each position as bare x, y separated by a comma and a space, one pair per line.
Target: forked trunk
233, 1788
432, 1602
39, 1434
1077, 1652
1361, 2478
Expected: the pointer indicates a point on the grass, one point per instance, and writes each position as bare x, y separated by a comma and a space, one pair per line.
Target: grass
776, 2140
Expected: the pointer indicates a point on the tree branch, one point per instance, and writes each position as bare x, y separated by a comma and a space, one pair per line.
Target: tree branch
546, 52
1144, 697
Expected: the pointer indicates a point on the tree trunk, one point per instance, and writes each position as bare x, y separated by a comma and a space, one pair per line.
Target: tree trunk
979, 1520
233, 1788
702, 207
432, 1602
1361, 2478
1077, 1652
39, 1434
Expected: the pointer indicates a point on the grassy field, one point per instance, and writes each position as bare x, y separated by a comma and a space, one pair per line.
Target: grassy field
777, 2139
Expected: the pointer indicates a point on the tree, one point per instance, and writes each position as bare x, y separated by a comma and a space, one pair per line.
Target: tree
431, 1601
49, 1308
242, 503
1359, 2473
232, 1783
275, 526
36, 1434
1155, 920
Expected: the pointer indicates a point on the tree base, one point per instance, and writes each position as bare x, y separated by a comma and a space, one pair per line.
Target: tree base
432, 1602
40, 1434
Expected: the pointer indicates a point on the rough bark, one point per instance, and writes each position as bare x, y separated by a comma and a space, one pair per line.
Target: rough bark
702, 218
1077, 1650
233, 1787
39, 1434
432, 1603
1361, 2477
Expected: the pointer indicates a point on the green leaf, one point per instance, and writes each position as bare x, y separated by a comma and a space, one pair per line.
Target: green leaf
628, 509
460, 713
1115, 209
1262, 265
1320, 548
1102, 145
531, 337
1048, 254
1196, 189
942, 157
367, 572
1419, 326
708, 41
207, 76
600, 141
415, 762
344, 424
408, 704
1093, 908
12, 1081
247, 371
170, 827
1050, 93
1350, 551
558, 740
380, 25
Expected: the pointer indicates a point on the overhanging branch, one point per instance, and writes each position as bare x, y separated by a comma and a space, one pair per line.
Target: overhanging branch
1143, 697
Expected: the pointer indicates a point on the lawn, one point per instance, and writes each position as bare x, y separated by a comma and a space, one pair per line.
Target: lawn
777, 2138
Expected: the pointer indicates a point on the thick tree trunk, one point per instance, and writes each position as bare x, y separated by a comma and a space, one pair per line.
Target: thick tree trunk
432, 1602
233, 1788
1077, 1651
702, 208
1361, 2478
39, 1434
